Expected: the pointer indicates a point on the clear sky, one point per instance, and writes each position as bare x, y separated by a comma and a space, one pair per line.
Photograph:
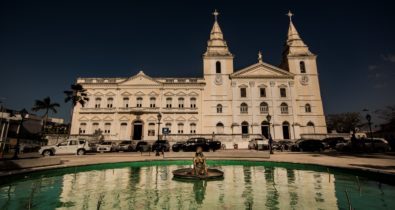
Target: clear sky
46, 45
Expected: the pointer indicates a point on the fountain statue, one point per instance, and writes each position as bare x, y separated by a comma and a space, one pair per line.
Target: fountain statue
199, 170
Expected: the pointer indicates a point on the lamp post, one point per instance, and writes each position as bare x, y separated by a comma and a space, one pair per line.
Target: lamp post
24, 114
159, 116
369, 119
268, 118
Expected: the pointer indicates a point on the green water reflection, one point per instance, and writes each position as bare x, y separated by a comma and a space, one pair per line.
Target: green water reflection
247, 186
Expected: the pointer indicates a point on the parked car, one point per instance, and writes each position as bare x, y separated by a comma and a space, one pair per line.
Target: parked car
126, 146
161, 145
308, 145
107, 146
193, 143
365, 145
177, 146
284, 145
71, 146
330, 143
143, 146
214, 144
258, 144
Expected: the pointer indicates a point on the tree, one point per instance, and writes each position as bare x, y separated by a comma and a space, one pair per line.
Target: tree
77, 95
388, 115
343, 122
47, 106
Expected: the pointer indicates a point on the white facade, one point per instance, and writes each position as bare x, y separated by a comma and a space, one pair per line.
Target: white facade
232, 104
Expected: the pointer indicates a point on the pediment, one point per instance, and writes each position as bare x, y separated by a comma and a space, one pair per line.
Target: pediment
139, 93
124, 118
107, 118
110, 94
153, 93
98, 94
141, 79
262, 70
168, 119
282, 86
193, 94
95, 119
262, 86
180, 118
193, 119
83, 119
169, 94
152, 119
181, 94
126, 93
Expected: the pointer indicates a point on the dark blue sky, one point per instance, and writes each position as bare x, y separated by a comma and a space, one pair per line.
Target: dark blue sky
45, 45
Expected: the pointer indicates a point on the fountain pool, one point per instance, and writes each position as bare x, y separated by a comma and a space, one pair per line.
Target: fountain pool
150, 185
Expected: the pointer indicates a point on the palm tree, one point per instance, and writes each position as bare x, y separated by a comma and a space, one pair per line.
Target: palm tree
77, 95
46, 105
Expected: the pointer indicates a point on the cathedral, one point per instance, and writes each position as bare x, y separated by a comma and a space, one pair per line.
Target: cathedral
231, 105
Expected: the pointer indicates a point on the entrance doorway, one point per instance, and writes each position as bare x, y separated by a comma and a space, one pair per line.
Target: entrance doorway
137, 130
265, 129
286, 130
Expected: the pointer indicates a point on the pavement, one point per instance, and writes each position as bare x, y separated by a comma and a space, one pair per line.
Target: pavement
380, 163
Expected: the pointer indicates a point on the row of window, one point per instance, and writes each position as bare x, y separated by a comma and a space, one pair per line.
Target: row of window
262, 92
139, 102
264, 108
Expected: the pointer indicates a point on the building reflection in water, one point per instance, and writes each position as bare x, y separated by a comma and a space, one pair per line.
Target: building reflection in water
243, 187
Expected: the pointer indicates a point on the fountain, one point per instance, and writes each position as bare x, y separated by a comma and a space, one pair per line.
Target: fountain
200, 171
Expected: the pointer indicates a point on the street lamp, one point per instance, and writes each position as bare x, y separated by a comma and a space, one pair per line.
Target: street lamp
369, 119
159, 116
24, 114
269, 117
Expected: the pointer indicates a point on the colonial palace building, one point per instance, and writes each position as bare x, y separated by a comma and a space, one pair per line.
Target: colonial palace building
227, 104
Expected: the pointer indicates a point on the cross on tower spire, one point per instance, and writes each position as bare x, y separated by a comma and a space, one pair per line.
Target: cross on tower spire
290, 14
215, 13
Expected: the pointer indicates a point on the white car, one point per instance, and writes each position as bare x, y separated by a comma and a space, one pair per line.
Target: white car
107, 146
71, 146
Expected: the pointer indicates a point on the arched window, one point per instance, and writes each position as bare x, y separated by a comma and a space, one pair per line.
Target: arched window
123, 130
126, 102
264, 108
107, 127
168, 125
219, 108
310, 127
220, 128
302, 67
244, 128
109, 102
192, 127
243, 108
139, 102
284, 108
151, 129
307, 108
169, 101
82, 128
152, 102
97, 102
181, 103
193, 103
218, 67
95, 127
180, 127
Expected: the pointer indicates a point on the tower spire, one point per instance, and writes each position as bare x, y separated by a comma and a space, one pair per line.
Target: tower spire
216, 45
294, 44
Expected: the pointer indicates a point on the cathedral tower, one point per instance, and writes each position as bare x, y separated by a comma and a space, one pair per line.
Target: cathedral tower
298, 60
